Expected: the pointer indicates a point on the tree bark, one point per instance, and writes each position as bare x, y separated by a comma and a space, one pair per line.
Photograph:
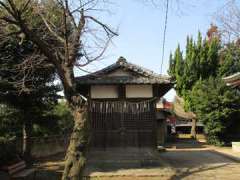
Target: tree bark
75, 155
27, 140
193, 129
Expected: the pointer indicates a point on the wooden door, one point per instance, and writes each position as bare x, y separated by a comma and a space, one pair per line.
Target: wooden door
122, 123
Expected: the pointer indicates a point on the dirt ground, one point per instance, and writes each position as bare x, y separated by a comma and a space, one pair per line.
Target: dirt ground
202, 164
194, 160
183, 160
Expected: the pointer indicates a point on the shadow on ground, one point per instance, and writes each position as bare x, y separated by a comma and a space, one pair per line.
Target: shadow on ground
189, 160
200, 162
119, 163
184, 143
126, 162
50, 168
190, 172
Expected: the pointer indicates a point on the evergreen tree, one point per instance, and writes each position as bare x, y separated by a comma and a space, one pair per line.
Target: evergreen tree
39, 93
201, 87
201, 61
203, 57
217, 107
178, 69
229, 60
213, 57
172, 65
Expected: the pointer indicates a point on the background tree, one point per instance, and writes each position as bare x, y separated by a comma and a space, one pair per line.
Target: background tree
64, 41
227, 19
229, 59
10, 122
217, 107
200, 62
200, 85
30, 105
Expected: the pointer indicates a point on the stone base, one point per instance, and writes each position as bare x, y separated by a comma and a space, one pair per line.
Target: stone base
161, 149
117, 162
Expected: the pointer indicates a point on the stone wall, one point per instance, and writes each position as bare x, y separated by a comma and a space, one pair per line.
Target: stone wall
46, 146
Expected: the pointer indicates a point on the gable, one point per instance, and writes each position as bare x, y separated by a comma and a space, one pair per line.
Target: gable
123, 72
119, 72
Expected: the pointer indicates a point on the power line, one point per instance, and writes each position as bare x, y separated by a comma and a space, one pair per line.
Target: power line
164, 34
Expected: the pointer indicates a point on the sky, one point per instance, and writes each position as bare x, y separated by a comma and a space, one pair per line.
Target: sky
140, 26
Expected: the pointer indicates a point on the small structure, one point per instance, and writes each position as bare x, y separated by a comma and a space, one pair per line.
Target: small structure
234, 81
186, 122
164, 115
122, 104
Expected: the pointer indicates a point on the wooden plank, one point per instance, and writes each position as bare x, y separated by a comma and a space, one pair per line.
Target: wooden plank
122, 123
16, 167
24, 173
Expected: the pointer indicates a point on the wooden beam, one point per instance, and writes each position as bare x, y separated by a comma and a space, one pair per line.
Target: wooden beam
122, 91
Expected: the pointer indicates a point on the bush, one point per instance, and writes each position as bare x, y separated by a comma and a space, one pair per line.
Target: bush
8, 151
217, 107
57, 121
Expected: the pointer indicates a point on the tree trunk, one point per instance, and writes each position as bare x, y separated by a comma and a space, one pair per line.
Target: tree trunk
193, 129
27, 141
75, 155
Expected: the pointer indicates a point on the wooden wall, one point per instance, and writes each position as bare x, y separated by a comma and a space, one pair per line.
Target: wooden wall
121, 91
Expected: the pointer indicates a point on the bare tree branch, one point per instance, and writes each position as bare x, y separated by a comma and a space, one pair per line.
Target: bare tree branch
25, 6
228, 20
16, 15
50, 29
108, 30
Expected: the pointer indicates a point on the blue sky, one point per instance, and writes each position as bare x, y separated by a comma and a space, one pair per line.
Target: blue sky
140, 28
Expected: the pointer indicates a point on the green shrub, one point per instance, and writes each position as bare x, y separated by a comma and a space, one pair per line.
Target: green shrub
8, 152
217, 107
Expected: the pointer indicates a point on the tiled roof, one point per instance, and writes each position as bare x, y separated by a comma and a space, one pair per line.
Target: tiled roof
179, 111
142, 75
233, 80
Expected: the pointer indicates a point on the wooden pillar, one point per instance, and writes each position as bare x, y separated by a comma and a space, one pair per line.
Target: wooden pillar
122, 91
155, 89
193, 129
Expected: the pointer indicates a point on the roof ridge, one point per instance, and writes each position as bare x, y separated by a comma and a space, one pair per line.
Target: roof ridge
135, 67
150, 72
122, 62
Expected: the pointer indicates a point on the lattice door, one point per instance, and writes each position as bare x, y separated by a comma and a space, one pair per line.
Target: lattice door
122, 123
